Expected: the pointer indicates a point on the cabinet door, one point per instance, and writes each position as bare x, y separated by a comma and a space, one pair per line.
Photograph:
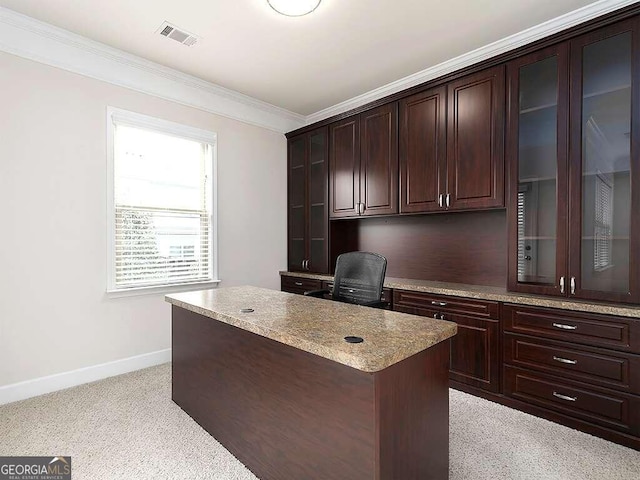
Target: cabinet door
474, 352
605, 200
475, 141
344, 168
474, 349
538, 177
423, 152
318, 196
379, 160
297, 198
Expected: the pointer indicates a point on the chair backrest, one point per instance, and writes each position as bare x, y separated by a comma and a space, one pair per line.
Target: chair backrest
359, 277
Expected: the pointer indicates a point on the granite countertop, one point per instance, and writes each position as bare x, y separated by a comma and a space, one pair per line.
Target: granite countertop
319, 326
498, 294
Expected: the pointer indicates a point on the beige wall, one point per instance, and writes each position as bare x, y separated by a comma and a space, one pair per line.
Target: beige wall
54, 314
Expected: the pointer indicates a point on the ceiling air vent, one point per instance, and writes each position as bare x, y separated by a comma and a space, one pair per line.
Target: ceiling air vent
177, 34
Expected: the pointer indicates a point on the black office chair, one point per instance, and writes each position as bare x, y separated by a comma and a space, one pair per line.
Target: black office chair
358, 279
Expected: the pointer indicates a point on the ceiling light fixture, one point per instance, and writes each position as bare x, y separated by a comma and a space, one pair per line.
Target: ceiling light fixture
294, 8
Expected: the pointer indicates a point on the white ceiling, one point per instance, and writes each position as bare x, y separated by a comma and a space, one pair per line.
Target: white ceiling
305, 64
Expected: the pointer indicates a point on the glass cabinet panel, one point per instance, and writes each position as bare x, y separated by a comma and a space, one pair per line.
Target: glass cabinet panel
537, 172
297, 199
318, 192
606, 165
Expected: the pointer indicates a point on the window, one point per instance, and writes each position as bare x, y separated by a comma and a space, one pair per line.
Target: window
162, 222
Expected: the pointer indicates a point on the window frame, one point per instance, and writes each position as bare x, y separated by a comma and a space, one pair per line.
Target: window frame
138, 120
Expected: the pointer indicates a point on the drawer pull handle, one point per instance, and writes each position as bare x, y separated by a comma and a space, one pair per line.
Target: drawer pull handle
565, 327
299, 284
565, 360
439, 304
564, 397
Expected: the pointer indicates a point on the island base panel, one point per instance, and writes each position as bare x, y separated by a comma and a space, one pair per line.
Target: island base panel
286, 413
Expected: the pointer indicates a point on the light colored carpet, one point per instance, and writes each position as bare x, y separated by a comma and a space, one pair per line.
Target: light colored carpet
127, 427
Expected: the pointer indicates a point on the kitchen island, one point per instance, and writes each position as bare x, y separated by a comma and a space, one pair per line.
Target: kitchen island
270, 375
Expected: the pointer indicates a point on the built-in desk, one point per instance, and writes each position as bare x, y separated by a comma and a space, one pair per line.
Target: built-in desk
270, 375
571, 361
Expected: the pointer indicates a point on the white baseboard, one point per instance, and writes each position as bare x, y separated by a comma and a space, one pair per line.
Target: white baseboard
60, 381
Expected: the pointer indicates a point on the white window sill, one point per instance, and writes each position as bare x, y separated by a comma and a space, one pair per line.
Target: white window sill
161, 289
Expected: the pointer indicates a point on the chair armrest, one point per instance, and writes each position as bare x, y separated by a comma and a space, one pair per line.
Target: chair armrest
316, 293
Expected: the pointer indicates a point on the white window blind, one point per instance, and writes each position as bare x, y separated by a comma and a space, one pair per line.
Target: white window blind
162, 219
603, 223
522, 262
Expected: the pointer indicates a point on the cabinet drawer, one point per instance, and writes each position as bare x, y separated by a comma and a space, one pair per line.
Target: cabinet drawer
617, 410
446, 304
299, 285
593, 365
620, 333
387, 293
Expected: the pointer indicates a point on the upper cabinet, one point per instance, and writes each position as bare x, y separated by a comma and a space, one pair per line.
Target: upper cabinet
475, 141
604, 175
423, 151
451, 145
574, 168
308, 244
537, 146
364, 164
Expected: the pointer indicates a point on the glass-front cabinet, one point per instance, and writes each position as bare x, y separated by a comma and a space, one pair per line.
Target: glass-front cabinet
308, 246
537, 149
604, 99
573, 162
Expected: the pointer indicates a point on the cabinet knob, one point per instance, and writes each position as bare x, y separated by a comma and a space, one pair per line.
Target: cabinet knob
448, 200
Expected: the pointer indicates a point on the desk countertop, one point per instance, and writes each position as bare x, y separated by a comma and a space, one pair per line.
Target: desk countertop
497, 294
319, 326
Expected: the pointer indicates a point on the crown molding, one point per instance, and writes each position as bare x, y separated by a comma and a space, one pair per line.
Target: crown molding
494, 49
35, 40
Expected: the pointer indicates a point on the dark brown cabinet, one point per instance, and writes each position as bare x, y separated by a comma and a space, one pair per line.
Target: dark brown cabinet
581, 365
364, 164
475, 348
299, 285
308, 243
423, 151
452, 145
572, 181
475, 141
595, 405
